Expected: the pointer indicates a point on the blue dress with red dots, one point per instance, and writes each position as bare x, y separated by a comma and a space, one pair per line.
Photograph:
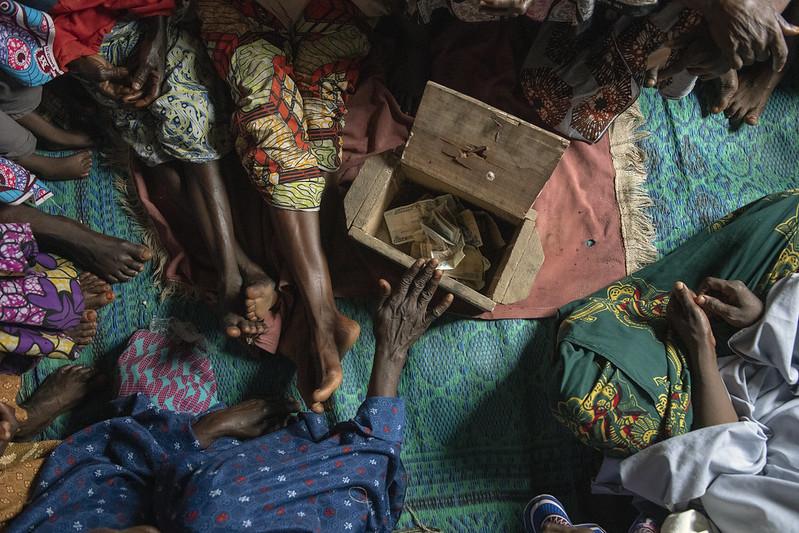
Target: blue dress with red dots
148, 468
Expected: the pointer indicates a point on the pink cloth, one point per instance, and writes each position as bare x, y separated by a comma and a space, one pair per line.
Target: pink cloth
175, 375
577, 204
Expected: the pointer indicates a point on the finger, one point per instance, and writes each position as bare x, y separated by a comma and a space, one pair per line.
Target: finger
779, 51
140, 77
683, 295
439, 310
385, 292
430, 289
718, 285
282, 407
728, 87
111, 72
714, 306
152, 94
788, 29
405, 282
420, 282
747, 54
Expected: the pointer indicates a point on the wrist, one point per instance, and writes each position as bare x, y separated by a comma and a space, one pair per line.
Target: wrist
204, 432
704, 359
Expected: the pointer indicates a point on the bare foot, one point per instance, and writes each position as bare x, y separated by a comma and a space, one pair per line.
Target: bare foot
755, 85
346, 333
237, 326
296, 344
260, 297
246, 420
112, 259
85, 331
72, 167
717, 94
329, 371
96, 292
60, 392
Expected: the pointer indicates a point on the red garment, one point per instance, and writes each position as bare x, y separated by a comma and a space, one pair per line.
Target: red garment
81, 25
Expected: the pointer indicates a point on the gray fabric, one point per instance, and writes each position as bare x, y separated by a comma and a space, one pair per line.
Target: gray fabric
16, 102
15, 141
747, 472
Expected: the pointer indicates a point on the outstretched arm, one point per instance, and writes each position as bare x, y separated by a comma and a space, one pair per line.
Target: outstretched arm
403, 316
246, 420
711, 401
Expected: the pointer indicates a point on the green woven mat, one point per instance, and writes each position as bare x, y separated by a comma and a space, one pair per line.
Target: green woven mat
699, 171
480, 441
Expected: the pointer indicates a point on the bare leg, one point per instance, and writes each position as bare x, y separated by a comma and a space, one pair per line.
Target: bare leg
60, 392
52, 134
207, 194
58, 168
112, 259
301, 246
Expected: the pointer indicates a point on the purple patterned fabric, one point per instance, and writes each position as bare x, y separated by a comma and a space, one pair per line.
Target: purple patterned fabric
40, 299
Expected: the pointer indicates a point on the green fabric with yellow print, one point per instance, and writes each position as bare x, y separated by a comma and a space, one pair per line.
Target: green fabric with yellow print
624, 384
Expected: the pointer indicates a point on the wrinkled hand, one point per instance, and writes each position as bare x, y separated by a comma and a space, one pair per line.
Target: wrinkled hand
690, 322
731, 301
111, 81
506, 7
695, 53
747, 31
405, 313
147, 77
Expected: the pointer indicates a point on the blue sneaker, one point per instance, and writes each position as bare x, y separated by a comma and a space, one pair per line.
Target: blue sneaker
546, 509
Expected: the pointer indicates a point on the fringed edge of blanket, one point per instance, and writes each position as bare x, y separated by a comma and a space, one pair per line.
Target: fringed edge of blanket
133, 207
637, 227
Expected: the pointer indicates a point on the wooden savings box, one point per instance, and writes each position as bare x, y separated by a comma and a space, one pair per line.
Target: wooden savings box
483, 156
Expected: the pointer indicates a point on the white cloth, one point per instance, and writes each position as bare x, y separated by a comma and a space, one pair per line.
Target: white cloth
744, 474
687, 522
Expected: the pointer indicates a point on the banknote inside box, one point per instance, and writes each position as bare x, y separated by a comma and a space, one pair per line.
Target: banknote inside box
462, 192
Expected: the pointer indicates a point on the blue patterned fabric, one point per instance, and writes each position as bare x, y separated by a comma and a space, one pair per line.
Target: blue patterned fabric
146, 467
26, 44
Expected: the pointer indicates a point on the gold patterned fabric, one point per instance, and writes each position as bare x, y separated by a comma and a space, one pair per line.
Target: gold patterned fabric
624, 383
21, 461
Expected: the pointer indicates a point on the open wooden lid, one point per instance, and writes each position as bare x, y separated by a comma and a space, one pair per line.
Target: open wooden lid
479, 153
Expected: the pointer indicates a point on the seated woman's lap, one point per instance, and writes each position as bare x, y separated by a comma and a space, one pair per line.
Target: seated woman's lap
623, 384
189, 120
